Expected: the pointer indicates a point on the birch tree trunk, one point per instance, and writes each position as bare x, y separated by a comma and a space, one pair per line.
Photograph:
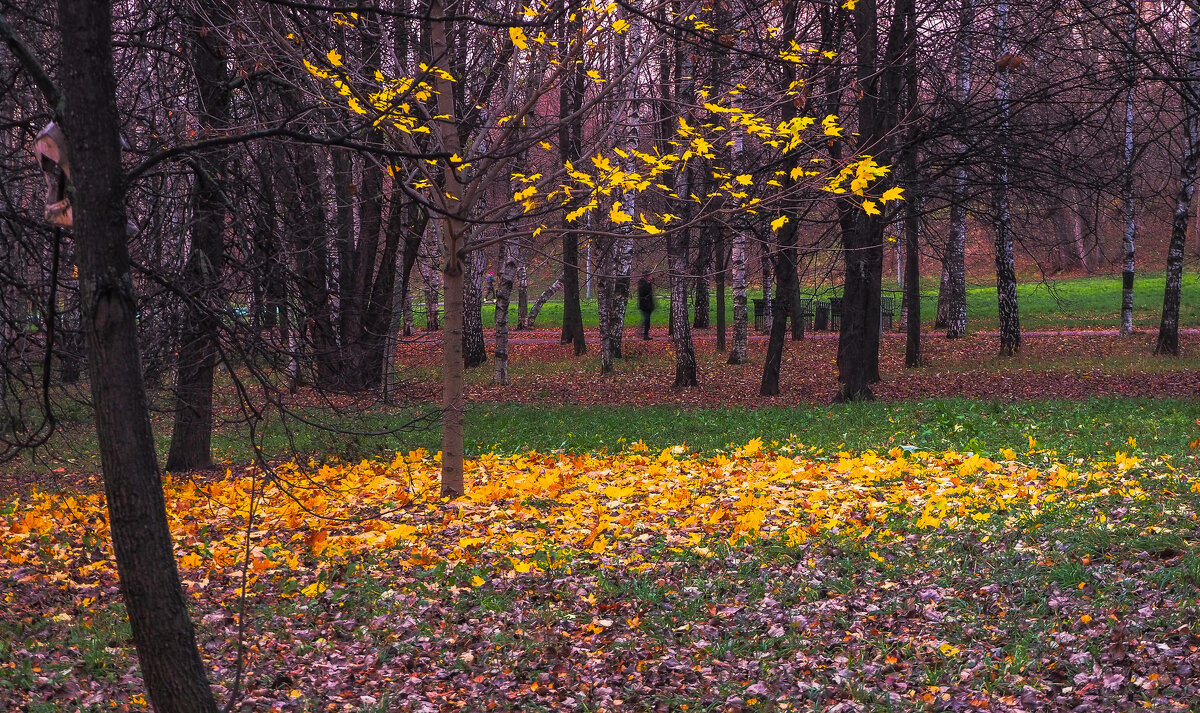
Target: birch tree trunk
540, 302
504, 278
737, 259
474, 349
522, 286
1168, 329
427, 263
605, 304
1128, 212
955, 273
1006, 277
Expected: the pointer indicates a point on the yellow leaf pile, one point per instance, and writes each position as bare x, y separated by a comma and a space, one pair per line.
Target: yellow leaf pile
528, 512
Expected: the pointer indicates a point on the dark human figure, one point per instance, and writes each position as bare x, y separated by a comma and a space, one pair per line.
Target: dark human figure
491, 285
645, 303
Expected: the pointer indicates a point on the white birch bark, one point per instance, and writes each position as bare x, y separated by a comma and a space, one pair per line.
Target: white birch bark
737, 259
1006, 278
504, 285
956, 270
1128, 213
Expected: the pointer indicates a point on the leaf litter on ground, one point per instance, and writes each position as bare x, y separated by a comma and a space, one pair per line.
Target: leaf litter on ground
771, 577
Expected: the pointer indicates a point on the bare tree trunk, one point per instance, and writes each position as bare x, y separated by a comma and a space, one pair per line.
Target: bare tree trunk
191, 434
786, 276
954, 275
1006, 277
504, 278
767, 270
1168, 329
454, 234
702, 309
737, 260
541, 301
1128, 211
685, 354
427, 261
474, 349
522, 287
175, 675
913, 207
570, 138
941, 318
610, 322
912, 281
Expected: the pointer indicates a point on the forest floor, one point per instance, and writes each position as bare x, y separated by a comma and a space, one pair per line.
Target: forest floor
1066, 364
951, 560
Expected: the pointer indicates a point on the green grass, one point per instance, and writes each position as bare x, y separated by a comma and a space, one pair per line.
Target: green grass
1078, 428
1076, 303
1082, 428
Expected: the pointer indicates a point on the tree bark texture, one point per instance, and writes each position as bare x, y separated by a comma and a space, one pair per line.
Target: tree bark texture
504, 286
912, 281
785, 295
881, 83
541, 301
474, 348
685, 353
570, 139
737, 261
955, 275
1128, 212
1168, 328
453, 234
175, 676
191, 434
1006, 275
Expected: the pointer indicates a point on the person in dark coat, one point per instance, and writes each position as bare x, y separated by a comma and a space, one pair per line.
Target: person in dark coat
646, 303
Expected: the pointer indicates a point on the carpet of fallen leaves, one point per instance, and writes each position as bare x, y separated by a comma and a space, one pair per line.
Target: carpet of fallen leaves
772, 577
1052, 365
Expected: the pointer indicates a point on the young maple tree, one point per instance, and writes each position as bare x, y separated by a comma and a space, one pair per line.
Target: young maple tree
459, 149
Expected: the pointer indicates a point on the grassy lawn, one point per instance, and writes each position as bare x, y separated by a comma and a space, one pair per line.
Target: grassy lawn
1076, 303
1090, 428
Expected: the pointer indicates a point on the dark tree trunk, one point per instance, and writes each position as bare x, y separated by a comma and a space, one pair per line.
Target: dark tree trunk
572, 324
858, 342
685, 353
1006, 274
701, 311
785, 295
912, 282
175, 676
880, 87
474, 348
719, 252
305, 224
913, 207
191, 435
570, 139
1168, 328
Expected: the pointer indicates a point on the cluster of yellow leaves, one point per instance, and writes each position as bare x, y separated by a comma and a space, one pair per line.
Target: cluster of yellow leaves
582, 190
529, 511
